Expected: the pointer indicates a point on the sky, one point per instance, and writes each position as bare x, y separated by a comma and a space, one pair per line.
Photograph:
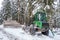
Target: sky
1, 3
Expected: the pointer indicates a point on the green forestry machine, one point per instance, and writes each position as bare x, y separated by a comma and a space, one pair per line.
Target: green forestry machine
40, 21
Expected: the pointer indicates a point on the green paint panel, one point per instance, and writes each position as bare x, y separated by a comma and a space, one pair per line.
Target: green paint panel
38, 23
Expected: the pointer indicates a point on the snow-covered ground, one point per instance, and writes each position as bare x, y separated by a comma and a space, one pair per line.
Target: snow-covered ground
24, 36
20, 34
5, 35
57, 34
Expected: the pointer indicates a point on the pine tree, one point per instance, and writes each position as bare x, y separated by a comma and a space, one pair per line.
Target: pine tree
14, 9
7, 9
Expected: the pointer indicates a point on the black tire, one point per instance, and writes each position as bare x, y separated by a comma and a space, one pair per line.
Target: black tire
46, 32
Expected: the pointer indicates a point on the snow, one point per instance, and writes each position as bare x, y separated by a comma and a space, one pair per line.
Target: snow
50, 34
34, 2
23, 35
1, 3
47, 7
5, 35
56, 37
57, 34
1, 26
35, 10
20, 34
37, 7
